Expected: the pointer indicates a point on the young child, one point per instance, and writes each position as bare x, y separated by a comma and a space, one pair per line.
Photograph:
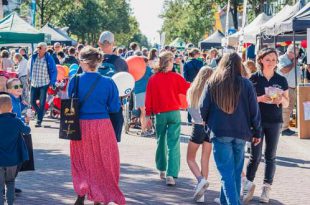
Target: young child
15, 90
13, 150
199, 135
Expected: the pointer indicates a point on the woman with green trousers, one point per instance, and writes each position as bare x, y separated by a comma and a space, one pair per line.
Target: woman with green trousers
162, 100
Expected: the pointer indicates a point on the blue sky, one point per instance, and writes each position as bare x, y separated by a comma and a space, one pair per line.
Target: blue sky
146, 12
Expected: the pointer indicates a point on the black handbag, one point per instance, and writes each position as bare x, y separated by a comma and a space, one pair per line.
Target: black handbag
29, 164
69, 113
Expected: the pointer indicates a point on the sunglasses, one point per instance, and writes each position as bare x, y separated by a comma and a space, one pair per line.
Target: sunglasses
39, 48
15, 87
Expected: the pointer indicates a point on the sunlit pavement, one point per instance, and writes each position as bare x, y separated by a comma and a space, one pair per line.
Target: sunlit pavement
51, 183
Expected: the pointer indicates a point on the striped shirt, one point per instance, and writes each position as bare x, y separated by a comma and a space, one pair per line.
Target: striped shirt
39, 75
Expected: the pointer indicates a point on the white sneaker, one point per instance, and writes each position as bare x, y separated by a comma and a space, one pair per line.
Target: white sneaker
248, 191
170, 181
162, 175
264, 198
201, 188
217, 201
201, 199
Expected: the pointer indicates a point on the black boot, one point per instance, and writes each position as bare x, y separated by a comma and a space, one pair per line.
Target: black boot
80, 200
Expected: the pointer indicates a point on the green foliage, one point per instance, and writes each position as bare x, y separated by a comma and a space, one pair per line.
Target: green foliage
188, 19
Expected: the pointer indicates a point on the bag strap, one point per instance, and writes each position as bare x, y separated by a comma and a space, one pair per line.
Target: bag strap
92, 88
76, 87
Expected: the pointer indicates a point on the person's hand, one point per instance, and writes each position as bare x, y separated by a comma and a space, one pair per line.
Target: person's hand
256, 141
54, 87
25, 103
308, 68
27, 119
277, 100
264, 99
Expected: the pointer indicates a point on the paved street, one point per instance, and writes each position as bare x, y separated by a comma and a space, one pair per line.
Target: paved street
51, 183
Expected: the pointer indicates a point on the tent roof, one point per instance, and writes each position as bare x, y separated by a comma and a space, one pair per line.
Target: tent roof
216, 37
299, 22
56, 34
286, 13
250, 31
178, 43
215, 40
14, 23
13, 29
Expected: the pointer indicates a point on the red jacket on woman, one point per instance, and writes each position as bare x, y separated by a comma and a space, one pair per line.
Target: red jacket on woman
162, 93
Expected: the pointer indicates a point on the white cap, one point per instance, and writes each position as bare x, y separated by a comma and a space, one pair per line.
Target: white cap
106, 36
43, 44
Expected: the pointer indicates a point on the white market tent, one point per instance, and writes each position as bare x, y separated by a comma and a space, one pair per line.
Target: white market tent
56, 35
299, 22
250, 31
269, 28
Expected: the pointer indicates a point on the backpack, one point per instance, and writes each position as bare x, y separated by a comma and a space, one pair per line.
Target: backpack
107, 67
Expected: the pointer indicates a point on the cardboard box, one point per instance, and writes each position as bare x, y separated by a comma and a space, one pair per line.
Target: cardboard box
303, 96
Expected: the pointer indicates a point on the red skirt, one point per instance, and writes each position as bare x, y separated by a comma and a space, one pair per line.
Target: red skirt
95, 163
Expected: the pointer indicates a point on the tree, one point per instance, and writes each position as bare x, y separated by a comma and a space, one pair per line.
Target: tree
188, 19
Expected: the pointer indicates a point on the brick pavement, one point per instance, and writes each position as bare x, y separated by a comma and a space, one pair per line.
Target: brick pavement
51, 183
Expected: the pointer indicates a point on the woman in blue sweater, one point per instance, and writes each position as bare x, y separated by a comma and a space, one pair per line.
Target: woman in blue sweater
95, 159
229, 108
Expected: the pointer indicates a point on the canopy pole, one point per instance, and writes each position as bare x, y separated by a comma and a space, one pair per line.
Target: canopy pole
294, 43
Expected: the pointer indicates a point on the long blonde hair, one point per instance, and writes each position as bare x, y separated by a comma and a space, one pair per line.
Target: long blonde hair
195, 91
225, 83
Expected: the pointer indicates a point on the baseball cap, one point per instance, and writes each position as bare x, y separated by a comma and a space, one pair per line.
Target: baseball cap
106, 36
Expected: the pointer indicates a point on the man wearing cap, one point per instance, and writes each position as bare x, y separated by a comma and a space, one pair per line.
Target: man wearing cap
43, 73
286, 67
106, 43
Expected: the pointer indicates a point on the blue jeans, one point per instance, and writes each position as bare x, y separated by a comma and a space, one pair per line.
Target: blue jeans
39, 94
229, 158
7, 178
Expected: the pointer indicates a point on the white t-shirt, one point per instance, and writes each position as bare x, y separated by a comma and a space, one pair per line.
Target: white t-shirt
22, 68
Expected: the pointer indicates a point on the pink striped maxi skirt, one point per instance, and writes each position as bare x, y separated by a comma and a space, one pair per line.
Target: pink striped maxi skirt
95, 163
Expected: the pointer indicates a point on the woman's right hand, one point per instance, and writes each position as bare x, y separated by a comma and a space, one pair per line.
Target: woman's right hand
264, 99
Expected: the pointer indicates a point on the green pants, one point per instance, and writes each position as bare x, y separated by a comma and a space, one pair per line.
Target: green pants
168, 127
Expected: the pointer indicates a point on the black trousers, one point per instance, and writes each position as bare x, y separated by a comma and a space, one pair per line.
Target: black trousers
272, 133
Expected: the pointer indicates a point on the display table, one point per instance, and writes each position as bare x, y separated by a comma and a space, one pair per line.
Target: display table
303, 96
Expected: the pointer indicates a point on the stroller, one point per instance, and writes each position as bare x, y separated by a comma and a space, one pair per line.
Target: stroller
53, 102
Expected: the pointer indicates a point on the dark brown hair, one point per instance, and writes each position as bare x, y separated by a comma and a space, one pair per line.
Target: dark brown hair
261, 54
152, 54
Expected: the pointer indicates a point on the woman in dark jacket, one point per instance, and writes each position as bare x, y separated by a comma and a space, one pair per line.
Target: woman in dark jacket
229, 108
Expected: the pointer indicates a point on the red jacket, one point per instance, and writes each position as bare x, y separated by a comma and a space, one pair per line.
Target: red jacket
162, 93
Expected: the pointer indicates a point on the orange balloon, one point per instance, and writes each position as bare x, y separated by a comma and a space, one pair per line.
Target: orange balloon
61, 72
136, 67
183, 102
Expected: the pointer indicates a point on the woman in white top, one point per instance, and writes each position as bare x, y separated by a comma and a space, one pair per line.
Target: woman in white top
22, 72
199, 135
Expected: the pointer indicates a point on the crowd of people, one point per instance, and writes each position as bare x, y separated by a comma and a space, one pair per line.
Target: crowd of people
228, 99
